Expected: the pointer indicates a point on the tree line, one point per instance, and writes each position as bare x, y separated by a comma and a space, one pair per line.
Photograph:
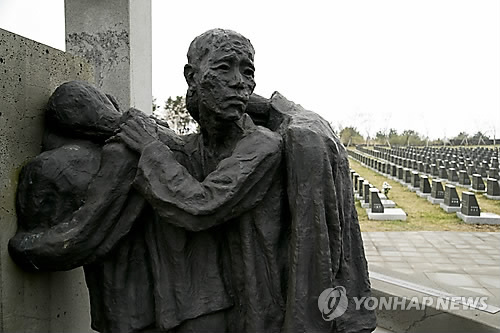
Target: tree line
351, 136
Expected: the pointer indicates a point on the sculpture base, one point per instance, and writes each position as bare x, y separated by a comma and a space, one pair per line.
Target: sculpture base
449, 209
388, 203
484, 218
492, 197
389, 214
435, 201
413, 189
423, 195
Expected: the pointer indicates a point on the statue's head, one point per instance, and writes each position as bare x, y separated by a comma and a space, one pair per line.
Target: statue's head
220, 75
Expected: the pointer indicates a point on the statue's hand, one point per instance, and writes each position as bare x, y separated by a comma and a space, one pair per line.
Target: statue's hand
137, 130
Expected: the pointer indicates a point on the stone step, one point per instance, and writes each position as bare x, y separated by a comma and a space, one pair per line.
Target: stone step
421, 312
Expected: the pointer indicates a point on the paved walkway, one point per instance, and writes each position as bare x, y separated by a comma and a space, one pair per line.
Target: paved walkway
457, 263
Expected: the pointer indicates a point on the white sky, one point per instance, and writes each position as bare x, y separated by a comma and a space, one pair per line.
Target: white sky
429, 65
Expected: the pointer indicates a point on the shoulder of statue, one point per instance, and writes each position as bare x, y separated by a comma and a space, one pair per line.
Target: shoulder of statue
260, 137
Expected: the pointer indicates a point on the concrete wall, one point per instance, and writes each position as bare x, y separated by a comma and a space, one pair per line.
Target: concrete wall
29, 73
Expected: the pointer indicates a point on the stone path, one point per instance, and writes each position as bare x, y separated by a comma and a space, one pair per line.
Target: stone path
459, 263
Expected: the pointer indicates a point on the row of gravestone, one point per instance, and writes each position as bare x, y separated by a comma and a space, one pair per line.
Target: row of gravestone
369, 195
377, 205
456, 174
447, 197
485, 163
475, 155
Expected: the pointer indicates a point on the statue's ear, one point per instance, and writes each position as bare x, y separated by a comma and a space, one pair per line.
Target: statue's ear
189, 71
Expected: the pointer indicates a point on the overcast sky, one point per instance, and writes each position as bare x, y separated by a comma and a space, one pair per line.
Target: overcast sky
429, 65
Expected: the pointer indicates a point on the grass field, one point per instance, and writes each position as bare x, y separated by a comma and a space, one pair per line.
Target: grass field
422, 215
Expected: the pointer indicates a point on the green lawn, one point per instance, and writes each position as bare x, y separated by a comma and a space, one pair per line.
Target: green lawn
422, 215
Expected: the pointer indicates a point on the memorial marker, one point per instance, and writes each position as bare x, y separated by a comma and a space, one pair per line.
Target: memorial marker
451, 202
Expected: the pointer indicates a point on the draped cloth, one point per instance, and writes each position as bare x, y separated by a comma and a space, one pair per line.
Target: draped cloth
164, 240
326, 248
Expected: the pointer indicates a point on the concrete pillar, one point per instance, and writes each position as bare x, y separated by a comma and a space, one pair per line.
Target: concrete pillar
29, 73
115, 35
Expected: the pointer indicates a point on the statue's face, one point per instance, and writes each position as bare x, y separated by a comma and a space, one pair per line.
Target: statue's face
226, 80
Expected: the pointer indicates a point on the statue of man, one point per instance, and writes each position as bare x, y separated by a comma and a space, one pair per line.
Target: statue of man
238, 228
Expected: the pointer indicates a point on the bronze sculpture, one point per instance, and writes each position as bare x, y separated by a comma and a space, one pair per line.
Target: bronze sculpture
238, 228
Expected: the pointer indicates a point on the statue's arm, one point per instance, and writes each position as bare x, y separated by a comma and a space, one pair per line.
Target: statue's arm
238, 184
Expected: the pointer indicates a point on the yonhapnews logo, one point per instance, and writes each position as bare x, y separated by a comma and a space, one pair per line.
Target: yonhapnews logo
332, 303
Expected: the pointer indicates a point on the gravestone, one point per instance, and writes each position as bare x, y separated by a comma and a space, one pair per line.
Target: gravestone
443, 173
452, 175
492, 189
451, 202
427, 168
361, 180
437, 192
420, 166
400, 173
383, 167
493, 172
494, 162
415, 181
424, 188
407, 176
481, 170
366, 193
471, 169
375, 202
413, 164
434, 170
477, 183
355, 181
463, 178
394, 170
470, 207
